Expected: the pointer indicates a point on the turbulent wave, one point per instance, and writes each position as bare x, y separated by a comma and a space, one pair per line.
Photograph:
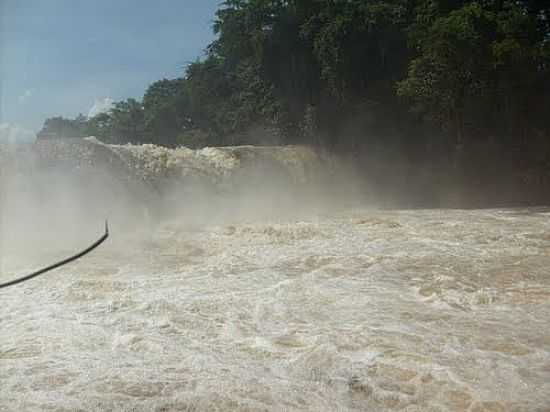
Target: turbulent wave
226, 303
155, 165
433, 310
76, 183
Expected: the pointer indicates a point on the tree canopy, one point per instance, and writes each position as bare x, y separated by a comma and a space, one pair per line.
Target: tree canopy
345, 74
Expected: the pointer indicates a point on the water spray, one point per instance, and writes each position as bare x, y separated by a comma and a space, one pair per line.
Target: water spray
61, 262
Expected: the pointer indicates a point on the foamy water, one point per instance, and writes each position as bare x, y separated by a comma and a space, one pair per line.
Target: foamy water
361, 310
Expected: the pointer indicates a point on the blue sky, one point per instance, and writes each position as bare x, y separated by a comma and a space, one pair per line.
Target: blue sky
59, 57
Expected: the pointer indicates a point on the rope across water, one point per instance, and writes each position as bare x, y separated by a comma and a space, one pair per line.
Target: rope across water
61, 262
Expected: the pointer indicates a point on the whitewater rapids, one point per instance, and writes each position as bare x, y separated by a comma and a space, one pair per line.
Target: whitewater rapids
410, 310
348, 309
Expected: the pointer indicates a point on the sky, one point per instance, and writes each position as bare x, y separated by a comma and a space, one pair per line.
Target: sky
65, 57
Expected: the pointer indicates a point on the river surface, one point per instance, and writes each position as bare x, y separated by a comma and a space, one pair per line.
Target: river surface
359, 310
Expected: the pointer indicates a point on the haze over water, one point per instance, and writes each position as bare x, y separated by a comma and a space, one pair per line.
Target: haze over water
272, 302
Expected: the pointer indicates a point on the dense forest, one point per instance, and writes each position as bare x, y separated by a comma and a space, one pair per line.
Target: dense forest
461, 88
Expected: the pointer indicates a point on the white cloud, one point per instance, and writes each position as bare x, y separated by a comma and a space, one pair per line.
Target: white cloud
11, 133
101, 106
27, 94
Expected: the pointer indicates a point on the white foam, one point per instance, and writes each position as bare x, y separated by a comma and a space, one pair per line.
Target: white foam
319, 314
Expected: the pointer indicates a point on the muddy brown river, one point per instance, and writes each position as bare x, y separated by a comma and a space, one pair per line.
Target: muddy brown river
362, 310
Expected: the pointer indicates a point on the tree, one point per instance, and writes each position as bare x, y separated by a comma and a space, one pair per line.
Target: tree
452, 65
349, 75
478, 64
167, 110
60, 127
128, 122
101, 126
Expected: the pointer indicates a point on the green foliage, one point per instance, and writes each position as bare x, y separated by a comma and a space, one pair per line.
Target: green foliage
62, 128
101, 126
348, 74
451, 65
128, 119
167, 110
357, 43
475, 54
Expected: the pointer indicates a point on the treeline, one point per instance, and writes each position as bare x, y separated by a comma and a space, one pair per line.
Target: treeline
349, 73
410, 88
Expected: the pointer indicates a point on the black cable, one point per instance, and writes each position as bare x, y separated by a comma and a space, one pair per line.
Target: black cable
61, 262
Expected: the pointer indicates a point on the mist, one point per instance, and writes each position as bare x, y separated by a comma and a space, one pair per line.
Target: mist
56, 195
267, 267
312, 206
